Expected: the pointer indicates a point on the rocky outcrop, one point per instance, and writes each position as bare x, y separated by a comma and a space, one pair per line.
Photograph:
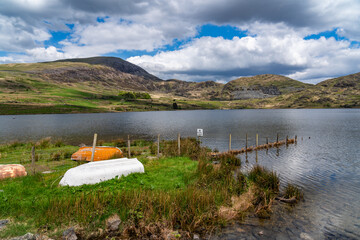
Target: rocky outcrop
28, 236
254, 92
117, 64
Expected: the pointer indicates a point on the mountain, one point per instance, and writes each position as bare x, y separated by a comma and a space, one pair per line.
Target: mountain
102, 84
116, 63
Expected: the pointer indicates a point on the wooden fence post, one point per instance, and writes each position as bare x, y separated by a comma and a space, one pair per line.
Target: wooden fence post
287, 139
33, 158
257, 140
93, 148
277, 138
158, 146
230, 142
246, 145
179, 146
267, 141
295, 138
129, 145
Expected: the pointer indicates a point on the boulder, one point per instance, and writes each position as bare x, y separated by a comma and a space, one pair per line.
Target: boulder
12, 171
112, 223
3, 223
28, 236
69, 234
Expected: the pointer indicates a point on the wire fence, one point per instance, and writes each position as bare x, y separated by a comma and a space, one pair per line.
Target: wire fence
45, 150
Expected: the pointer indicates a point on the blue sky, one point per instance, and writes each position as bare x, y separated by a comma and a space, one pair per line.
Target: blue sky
190, 40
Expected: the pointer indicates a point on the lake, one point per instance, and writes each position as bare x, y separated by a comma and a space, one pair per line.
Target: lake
325, 162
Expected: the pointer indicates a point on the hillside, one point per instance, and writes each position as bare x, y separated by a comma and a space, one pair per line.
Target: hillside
351, 81
107, 84
194, 90
261, 86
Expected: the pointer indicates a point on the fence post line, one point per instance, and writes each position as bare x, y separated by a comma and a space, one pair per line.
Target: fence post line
277, 138
93, 148
179, 146
257, 140
246, 146
158, 146
267, 141
287, 139
33, 158
129, 150
295, 138
229, 142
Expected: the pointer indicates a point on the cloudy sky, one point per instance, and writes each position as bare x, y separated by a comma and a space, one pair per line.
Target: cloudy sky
308, 40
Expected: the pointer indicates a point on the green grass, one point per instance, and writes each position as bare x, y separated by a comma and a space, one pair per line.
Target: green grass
182, 193
169, 189
165, 174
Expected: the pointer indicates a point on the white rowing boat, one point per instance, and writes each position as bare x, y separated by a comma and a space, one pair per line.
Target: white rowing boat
95, 172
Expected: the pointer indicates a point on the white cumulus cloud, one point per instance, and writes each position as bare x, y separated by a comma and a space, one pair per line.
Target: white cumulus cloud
267, 52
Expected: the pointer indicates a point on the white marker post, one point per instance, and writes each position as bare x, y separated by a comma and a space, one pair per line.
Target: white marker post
200, 133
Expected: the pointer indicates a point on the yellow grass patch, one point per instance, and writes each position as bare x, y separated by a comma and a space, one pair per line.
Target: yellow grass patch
239, 204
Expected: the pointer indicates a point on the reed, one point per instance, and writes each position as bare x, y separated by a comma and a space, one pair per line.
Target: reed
293, 191
264, 178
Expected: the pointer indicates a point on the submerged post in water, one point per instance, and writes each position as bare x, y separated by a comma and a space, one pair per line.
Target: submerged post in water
246, 145
287, 140
93, 148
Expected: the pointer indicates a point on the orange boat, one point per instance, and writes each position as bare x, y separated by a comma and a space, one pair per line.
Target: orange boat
101, 153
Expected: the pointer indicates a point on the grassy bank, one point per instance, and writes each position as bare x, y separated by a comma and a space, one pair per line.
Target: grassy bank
179, 195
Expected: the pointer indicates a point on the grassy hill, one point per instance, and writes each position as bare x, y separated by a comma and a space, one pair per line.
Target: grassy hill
261, 86
94, 84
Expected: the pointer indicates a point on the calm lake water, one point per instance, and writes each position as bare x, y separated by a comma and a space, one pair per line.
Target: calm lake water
325, 162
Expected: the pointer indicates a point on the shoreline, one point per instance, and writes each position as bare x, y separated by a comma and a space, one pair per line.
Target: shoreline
67, 109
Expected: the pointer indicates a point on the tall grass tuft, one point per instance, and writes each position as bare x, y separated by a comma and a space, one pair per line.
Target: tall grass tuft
44, 143
16, 144
293, 191
228, 159
190, 147
264, 178
119, 143
59, 143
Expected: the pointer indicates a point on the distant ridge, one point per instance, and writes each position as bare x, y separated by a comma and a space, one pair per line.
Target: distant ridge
261, 86
348, 81
99, 84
